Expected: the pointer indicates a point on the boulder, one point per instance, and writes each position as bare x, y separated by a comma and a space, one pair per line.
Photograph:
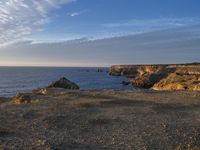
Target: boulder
21, 99
65, 84
125, 83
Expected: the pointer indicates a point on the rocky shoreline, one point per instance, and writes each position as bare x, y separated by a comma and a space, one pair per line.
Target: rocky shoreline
161, 77
61, 116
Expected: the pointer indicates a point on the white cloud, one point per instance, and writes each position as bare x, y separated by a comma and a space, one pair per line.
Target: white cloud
179, 45
154, 23
19, 18
73, 14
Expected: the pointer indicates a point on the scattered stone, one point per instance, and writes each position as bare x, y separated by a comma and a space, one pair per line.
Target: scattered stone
64, 83
21, 98
112, 120
43, 91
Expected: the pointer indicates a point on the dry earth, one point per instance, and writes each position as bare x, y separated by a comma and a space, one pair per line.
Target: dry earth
134, 119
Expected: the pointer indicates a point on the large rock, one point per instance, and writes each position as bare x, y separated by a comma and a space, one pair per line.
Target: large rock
64, 83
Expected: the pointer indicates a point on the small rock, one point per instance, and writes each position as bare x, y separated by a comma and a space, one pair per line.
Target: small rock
99, 70
21, 99
43, 91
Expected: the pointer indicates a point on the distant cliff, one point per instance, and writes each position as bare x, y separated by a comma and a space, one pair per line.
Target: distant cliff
161, 77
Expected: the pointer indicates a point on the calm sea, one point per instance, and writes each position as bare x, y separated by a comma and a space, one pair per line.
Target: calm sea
25, 79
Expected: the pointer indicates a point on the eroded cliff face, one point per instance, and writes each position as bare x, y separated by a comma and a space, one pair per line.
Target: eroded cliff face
184, 78
134, 70
161, 77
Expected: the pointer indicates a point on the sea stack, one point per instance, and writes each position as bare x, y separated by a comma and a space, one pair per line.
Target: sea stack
65, 84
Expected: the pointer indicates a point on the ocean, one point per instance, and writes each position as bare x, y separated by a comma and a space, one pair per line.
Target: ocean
24, 79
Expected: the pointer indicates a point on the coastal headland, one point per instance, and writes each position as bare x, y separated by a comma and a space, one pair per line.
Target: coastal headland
161, 77
62, 116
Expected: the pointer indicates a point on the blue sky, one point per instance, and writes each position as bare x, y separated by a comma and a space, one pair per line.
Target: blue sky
37, 32
95, 18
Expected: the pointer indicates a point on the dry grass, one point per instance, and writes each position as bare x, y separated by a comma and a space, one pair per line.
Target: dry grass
133, 119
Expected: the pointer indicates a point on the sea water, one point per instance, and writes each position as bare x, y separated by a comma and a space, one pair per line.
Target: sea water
24, 79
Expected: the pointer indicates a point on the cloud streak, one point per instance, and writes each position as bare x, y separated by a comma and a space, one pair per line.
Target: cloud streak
178, 45
74, 14
160, 23
19, 18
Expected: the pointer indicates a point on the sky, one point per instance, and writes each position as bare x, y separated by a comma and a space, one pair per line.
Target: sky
98, 32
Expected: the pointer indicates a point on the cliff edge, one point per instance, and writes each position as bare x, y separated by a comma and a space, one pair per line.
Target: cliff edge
161, 77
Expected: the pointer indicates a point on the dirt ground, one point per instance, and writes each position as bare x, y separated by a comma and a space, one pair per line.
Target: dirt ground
106, 119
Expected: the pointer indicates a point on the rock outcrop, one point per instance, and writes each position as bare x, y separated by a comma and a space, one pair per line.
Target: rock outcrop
183, 79
41, 91
161, 77
21, 99
64, 83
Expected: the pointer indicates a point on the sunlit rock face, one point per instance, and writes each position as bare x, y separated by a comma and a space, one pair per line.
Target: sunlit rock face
161, 77
184, 78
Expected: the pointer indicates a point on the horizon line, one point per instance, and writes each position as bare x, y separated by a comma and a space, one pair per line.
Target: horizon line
55, 66
107, 66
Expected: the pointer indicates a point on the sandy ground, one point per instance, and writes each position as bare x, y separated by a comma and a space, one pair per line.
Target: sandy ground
134, 119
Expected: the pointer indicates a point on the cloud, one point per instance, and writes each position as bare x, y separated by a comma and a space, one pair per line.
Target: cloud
19, 18
73, 14
178, 45
160, 23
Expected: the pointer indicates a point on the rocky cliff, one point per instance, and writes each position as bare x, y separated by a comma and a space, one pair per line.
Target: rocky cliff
161, 77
